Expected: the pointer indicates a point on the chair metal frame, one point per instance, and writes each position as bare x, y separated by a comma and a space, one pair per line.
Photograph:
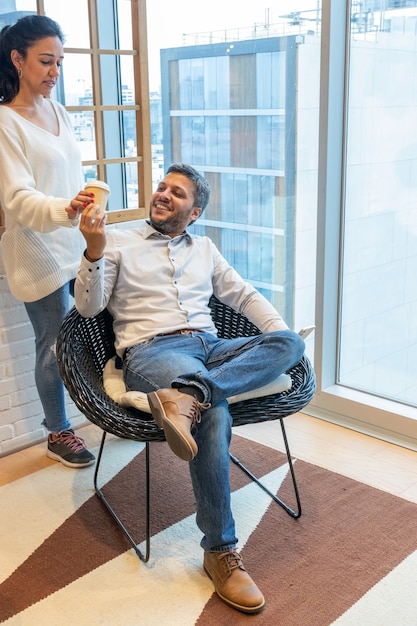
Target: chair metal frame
84, 345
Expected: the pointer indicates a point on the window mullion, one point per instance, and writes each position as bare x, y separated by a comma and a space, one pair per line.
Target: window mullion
96, 86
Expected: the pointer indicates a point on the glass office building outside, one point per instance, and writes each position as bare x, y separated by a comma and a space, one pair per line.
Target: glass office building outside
229, 109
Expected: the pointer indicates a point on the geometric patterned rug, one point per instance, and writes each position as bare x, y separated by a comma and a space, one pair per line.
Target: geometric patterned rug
350, 560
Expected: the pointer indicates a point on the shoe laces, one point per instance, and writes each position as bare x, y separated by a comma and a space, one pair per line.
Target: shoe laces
231, 560
76, 444
195, 411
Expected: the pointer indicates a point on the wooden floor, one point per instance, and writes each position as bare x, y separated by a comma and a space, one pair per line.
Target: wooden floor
377, 463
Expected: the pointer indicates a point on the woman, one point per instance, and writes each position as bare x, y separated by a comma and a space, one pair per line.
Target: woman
41, 194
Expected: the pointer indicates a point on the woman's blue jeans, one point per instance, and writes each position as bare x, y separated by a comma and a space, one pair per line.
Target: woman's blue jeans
220, 368
46, 316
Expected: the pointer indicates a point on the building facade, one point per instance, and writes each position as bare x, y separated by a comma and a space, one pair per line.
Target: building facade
229, 109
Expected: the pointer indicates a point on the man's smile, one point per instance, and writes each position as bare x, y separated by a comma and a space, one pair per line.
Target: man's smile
161, 207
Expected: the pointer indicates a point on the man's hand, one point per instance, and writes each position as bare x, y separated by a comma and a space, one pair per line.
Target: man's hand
92, 226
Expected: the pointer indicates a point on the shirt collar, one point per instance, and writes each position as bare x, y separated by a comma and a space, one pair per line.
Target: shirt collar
149, 231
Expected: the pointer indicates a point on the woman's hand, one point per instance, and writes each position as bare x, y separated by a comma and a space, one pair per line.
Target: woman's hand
92, 226
81, 200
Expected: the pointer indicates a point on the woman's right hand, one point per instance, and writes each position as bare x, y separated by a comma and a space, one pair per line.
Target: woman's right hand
92, 226
77, 204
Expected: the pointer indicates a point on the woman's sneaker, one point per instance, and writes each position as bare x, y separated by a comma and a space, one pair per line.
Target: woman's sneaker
69, 449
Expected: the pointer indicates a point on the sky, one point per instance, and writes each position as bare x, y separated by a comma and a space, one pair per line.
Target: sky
168, 20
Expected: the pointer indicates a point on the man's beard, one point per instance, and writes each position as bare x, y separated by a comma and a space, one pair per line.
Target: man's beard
165, 226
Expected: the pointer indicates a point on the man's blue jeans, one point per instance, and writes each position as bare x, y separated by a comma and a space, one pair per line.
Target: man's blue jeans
46, 316
220, 368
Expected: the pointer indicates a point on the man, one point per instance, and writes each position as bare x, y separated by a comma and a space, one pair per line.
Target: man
156, 281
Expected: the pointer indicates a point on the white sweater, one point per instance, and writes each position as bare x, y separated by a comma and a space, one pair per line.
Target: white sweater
39, 175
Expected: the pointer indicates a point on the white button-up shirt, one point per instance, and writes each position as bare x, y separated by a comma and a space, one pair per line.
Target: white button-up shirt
152, 284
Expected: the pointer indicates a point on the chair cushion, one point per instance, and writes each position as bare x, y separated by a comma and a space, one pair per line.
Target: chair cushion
115, 387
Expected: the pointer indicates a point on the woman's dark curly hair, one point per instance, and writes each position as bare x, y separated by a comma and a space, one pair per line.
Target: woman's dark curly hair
21, 36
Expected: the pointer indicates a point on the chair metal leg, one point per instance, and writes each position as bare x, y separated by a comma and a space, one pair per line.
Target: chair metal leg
294, 513
143, 556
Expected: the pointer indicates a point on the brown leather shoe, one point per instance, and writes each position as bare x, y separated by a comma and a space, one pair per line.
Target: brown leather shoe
232, 582
177, 413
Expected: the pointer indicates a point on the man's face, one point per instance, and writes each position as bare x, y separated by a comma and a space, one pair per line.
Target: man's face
173, 205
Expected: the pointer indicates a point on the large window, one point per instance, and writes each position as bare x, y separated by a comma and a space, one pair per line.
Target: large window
301, 115
378, 344
314, 194
366, 253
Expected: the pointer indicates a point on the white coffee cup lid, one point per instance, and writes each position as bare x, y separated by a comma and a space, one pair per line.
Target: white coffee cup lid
97, 183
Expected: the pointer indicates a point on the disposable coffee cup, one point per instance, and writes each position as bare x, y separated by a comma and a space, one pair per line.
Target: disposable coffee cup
101, 192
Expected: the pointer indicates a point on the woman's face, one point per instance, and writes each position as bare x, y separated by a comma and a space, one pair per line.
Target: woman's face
40, 69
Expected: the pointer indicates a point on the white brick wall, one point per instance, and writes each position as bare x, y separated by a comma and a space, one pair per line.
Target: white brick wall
21, 412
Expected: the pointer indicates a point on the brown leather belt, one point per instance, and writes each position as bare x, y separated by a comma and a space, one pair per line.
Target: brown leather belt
182, 331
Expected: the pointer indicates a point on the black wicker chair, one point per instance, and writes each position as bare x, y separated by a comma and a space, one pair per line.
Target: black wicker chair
84, 346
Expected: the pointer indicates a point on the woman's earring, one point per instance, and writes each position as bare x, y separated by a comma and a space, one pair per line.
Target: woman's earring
19, 72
